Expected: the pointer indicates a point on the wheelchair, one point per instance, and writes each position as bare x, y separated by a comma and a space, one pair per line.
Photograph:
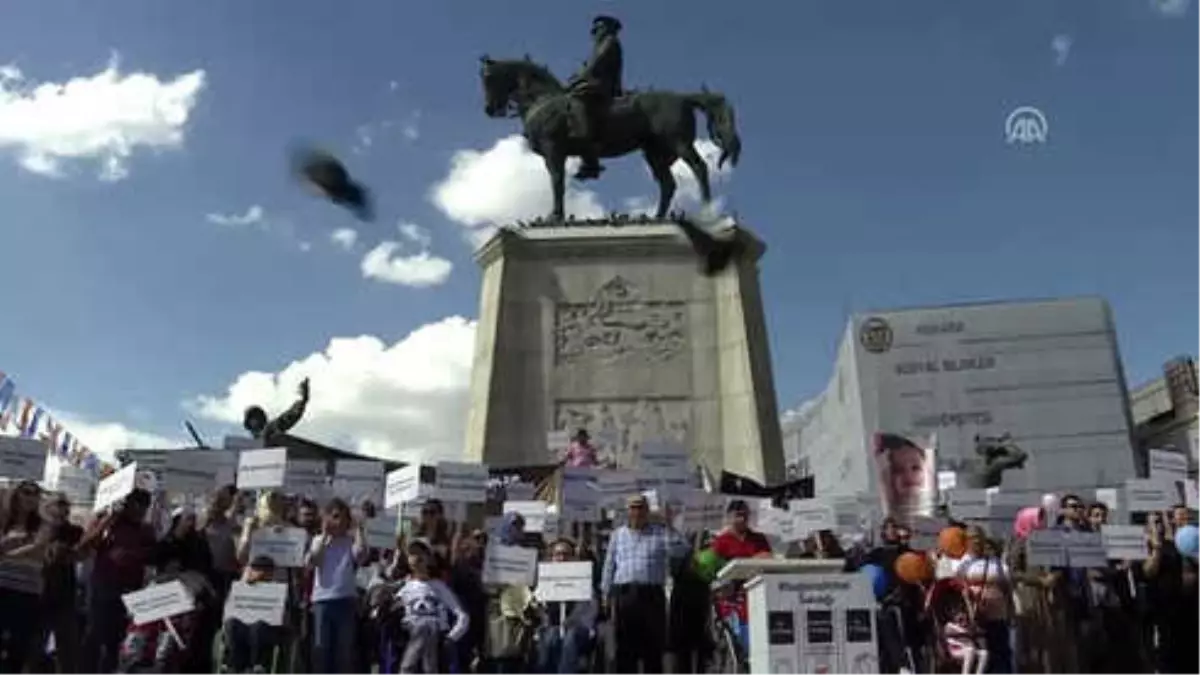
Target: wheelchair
220, 652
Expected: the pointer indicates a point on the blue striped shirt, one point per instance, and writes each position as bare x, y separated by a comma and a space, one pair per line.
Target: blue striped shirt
641, 556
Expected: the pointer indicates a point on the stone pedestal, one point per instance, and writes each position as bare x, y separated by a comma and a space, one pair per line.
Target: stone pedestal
614, 329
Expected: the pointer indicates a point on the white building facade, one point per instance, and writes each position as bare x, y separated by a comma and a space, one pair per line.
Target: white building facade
1046, 372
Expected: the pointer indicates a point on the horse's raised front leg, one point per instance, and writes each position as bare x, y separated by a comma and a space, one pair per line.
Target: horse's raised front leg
556, 165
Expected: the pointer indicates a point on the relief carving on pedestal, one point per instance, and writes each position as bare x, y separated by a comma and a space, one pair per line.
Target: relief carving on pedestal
617, 323
617, 427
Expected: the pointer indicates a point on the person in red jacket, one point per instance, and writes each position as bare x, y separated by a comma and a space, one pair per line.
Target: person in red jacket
737, 540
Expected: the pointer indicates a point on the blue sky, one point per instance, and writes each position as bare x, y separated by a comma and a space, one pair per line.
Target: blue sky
875, 167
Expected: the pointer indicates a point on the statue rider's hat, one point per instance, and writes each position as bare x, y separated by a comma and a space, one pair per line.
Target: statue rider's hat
610, 22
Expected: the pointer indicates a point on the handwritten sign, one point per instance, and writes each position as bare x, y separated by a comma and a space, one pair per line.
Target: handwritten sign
462, 482
259, 602
158, 602
564, 582
115, 487
509, 565
402, 485
357, 481
22, 458
262, 469
284, 545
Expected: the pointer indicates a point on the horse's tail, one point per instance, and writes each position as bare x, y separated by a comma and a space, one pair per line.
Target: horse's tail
722, 127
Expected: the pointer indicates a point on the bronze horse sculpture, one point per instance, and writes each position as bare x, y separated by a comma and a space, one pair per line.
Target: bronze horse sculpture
661, 124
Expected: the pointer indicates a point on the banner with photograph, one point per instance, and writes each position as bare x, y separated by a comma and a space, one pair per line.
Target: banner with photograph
906, 472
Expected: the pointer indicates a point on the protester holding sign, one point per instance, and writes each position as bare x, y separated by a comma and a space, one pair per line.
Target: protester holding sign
335, 556
123, 546
253, 644
23, 543
568, 629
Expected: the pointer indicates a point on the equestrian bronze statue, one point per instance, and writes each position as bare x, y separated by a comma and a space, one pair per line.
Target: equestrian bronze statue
594, 117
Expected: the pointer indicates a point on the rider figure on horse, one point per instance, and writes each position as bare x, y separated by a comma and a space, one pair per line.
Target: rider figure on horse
596, 87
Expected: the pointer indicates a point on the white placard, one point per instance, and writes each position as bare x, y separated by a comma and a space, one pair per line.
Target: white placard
115, 487
381, 531
262, 469
284, 545
810, 516
453, 511
534, 512
22, 459
1168, 465
564, 582
580, 495
461, 482
77, 484
307, 477
663, 458
1085, 549
161, 601
1149, 495
616, 486
23, 575
520, 492
967, 504
357, 481
1046, 548
509, 565
1124, 542
198, 472
557, 442
1109, 497
947, 480
402, 485
258, 602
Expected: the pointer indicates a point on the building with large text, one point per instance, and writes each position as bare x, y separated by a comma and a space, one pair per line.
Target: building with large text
1046, 372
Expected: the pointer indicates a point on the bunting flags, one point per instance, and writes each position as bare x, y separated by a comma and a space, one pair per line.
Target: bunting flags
22, 416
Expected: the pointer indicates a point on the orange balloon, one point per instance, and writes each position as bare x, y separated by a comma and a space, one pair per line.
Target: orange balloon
914, 568
953, 542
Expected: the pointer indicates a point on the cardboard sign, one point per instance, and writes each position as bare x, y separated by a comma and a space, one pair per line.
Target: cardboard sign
262, 469
115, 487
564, 582
1084, 549
509, 565
1149, 495
22, 459
285, 545
260, 602
1046, 548
158, 602
22, 575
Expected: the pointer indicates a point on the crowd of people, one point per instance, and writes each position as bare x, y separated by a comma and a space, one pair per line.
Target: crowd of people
969, 604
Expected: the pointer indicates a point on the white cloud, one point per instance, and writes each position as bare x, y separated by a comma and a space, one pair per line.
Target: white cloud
1061, 44
502, 184
344, 237
1173, 9
255, 215
104, 117
305, 246
405, 401
414, 233
386, 263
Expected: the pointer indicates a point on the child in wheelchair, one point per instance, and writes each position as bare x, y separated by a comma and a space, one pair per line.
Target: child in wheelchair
253, 648
427, 613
